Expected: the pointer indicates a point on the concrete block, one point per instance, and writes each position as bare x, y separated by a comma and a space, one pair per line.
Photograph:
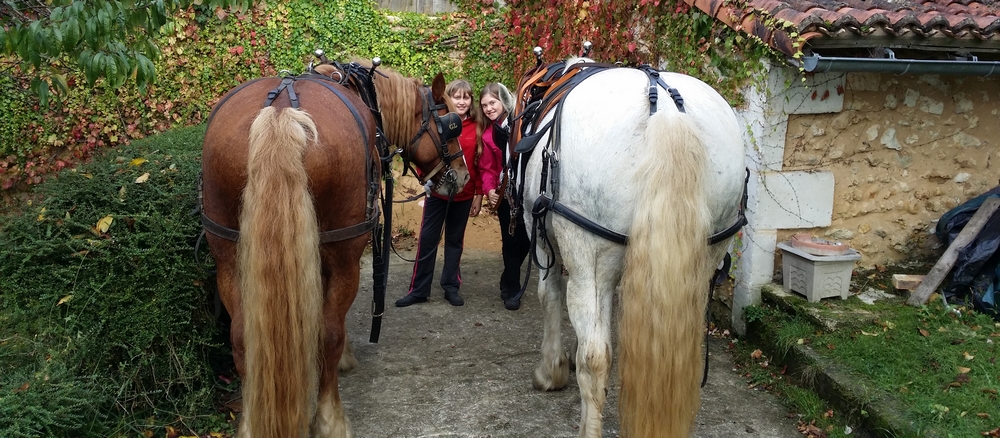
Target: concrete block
814, 276
788, 200
754, 268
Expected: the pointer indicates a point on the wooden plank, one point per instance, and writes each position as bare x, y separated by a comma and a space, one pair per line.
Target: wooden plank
947, 260
907, 281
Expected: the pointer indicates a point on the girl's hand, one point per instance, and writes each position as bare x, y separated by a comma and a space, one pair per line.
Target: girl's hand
477, 205
493, 197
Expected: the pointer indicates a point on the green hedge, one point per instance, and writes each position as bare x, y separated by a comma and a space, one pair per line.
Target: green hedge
107, 333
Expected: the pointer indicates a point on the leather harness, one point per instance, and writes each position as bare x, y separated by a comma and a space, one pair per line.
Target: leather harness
543, 90
329, 236
360, 80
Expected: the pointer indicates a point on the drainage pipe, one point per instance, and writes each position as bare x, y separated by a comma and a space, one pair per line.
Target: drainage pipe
818, 64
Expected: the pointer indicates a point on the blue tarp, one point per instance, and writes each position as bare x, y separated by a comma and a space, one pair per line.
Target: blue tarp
976, 274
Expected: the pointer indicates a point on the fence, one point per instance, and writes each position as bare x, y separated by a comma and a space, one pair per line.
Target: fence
421, 6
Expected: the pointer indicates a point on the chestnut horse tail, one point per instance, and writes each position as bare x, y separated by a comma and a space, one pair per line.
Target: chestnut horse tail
279, 265
664, 285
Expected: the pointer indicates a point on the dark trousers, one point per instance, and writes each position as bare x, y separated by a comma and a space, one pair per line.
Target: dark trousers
453, 217
515, 249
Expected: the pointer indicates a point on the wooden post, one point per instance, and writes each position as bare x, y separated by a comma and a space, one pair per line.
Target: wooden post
947, 260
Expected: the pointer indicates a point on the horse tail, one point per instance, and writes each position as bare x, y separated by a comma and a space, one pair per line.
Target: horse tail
664, 285
279, 265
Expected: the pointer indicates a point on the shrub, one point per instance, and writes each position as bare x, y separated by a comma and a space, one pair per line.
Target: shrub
105, 322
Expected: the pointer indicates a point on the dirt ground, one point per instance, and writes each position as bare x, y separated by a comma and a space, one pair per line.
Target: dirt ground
444, 371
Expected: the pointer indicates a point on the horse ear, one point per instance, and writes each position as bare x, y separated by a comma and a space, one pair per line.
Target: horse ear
437, 88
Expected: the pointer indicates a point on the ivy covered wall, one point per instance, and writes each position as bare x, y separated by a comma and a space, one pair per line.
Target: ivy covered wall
208, 52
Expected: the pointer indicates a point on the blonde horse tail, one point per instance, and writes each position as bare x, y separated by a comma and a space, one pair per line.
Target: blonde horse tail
664, 286
278, 254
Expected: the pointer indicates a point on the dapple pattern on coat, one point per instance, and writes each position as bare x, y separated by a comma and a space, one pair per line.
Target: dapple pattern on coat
668, 181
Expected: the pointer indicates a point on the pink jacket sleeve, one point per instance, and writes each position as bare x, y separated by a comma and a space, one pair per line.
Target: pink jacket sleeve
490, 163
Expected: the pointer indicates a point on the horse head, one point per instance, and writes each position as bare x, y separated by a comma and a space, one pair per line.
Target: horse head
434, 148
418, 120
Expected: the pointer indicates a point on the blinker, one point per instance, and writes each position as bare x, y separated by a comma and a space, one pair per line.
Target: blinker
449, 126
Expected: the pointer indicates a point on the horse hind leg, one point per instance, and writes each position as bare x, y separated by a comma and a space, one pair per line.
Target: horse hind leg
348, 361
331, 421
590, 310
552, 373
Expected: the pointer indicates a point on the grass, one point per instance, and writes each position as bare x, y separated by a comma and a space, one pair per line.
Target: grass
105, 323
940, 369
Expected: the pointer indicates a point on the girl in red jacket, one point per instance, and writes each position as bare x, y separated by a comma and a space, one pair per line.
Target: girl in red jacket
452, 214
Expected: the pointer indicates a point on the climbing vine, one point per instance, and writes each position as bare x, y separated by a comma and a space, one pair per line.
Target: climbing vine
205, 52
666, 33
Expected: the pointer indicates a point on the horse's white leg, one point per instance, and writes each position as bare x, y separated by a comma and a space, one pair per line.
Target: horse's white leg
330, 419
588, 296
552, 372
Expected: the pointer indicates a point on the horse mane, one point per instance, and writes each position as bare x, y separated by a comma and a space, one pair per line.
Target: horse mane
396, 96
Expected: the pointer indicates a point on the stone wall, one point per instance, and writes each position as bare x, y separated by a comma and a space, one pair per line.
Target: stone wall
903, 151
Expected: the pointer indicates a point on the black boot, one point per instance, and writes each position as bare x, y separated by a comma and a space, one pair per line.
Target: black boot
454, 298
513, 303
410, 299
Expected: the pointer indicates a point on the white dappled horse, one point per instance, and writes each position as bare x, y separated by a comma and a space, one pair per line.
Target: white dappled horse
668, 181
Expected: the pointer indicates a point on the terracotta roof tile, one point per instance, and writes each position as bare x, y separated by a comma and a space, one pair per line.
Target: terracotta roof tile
913, 23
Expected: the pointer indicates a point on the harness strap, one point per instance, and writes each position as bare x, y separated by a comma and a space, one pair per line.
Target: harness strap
329, 236
286, 83
717, 279
654, 80
543, 204
741, 218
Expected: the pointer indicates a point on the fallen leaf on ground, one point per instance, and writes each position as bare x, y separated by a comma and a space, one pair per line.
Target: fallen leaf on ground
142, 178
105, 223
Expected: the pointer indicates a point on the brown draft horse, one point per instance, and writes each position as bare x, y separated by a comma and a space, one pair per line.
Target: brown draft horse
278, 182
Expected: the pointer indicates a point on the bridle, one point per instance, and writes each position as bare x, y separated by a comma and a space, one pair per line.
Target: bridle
448, 127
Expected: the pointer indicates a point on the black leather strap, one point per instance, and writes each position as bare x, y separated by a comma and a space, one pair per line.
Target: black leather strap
544, 203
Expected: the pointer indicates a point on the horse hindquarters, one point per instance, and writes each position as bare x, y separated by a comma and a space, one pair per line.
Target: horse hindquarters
279, 266
663, 286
